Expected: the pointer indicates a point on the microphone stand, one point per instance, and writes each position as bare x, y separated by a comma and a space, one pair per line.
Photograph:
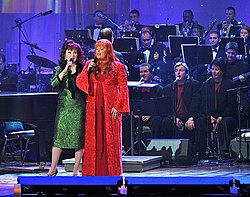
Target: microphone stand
19, 26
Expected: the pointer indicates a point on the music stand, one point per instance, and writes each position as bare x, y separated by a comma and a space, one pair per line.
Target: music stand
233, 31
239, 41
126, 44
161, 32
128, 34
82, 37
176, 41
132, 60
196, 54
150, 106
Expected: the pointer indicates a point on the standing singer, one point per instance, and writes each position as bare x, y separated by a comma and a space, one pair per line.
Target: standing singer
105, 81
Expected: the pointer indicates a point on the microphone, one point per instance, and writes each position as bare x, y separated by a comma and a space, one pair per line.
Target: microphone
47, 13
142, 79
92, 68
69, 68
176, 79
209, 78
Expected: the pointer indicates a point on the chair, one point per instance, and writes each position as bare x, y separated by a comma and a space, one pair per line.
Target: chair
15, 141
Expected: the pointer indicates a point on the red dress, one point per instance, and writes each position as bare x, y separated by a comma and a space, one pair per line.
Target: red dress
103, 143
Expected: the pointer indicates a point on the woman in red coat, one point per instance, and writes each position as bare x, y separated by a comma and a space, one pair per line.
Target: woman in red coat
105, 81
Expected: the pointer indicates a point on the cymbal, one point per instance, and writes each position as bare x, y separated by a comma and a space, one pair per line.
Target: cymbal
41, 61
34, 46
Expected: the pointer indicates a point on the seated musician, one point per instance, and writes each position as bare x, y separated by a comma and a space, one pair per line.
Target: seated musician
184, 93
153, 123
238, 71
8, 79
218, 109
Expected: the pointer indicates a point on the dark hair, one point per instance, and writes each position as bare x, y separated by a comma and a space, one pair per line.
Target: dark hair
2, 56
233, 46
98, 11
134, 11
219, 62
70, 44
148, 65
188, 11
231, 8
215, 32
106, 33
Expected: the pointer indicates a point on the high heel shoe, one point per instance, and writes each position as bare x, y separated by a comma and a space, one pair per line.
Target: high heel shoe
53, 174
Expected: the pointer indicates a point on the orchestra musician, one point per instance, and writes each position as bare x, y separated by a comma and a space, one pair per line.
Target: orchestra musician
184, 93
218, 109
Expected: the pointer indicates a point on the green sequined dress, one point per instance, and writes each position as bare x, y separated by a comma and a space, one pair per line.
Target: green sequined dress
70, 116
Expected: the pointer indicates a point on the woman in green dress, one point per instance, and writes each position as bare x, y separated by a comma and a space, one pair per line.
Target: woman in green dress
70, 116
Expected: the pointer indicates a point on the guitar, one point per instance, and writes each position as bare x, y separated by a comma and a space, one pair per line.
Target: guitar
237, 78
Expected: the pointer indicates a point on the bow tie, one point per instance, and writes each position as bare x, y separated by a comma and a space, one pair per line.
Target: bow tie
146, 48
215, 50
97, 27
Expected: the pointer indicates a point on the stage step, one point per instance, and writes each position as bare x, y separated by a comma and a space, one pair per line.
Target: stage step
129, 163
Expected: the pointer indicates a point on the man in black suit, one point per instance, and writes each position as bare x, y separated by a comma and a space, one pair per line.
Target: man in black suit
221, 28
154, 53
106, 33
99, 24
214, 39
134, 20
188, 23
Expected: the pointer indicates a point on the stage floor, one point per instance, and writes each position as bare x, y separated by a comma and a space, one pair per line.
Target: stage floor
9, 173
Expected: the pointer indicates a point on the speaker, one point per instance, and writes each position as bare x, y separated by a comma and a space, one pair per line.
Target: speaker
234, 148
173, 151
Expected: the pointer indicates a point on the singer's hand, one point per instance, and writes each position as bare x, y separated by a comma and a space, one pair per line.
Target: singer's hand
179, 123
114, 113
91, 65
242, 78
190, 124
145, 118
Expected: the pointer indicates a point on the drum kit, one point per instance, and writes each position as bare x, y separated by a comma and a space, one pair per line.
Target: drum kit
39, 62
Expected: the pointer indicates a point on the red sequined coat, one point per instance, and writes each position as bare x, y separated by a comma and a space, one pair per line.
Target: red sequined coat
115, 92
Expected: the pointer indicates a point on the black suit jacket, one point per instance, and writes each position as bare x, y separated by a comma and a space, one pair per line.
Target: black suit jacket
159, 48
190, 96
226, 100
92, 28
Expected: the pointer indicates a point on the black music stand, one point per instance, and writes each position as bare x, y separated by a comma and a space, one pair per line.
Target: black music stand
176, 41
239, 41
196, 54
126, 44
233, 30
150, 106
161, 32
82, 37
125, 34
132, 60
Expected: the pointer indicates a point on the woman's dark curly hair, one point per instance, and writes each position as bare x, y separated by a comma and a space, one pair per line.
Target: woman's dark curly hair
70, 44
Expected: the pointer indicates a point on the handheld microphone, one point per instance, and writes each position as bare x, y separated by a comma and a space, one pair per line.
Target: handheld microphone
176, 79
92, 68
142, 79
209, 78
69, 68
47, 13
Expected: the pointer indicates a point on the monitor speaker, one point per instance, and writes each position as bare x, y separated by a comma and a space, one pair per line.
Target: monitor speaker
173, 151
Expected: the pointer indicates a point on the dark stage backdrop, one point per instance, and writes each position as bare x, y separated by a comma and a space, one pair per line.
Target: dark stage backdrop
48, 31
